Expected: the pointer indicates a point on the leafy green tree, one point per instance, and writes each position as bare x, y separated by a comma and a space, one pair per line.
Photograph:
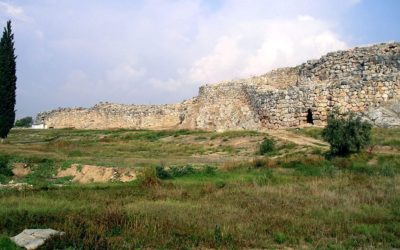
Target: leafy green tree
346, 134
25, 122
8, 80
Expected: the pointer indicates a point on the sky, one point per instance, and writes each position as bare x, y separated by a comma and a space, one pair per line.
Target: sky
78, 53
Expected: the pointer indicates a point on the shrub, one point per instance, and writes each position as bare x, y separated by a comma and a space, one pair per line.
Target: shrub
346, 134
182, 171
209, 170
280, 237
162, 173
148, 178
267, 146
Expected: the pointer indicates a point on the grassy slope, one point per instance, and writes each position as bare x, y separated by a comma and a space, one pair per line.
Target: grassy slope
127, 148
296, 200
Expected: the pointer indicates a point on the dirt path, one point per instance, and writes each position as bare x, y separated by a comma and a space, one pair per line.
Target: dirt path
296, 138
384, 150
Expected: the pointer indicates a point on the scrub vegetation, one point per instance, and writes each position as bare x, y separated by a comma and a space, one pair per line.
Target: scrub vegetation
198, 189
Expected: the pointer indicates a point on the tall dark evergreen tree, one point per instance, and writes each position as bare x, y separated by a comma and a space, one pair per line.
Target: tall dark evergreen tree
8, 81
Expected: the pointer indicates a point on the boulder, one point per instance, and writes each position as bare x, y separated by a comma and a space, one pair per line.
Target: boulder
384, 116
34, 238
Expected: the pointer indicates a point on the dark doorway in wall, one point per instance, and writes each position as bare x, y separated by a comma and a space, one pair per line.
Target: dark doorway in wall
310, 117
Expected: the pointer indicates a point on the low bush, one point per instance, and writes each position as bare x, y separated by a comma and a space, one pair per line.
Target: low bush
267, 146
162, 173
346, 134
182, 171
263, 163
148, 178
209, 170
280, 238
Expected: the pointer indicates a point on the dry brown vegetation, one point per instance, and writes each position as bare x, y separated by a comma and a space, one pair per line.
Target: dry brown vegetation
293, 198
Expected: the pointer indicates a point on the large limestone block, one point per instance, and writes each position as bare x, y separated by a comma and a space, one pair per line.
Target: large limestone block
384, 116
34, 238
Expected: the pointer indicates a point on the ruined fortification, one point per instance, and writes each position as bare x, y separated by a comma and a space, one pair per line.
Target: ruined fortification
365, 80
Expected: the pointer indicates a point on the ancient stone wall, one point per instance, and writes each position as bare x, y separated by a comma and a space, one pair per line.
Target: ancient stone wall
108, 115
353, 80
359, 80
222, 107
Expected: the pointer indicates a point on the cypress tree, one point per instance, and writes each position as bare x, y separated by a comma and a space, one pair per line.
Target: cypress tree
8, 80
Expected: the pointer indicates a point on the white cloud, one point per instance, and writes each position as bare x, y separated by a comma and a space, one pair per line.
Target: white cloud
278, 43
224, 59
12, 10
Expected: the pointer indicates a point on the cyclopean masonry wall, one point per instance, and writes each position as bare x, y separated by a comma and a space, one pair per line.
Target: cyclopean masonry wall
364, 80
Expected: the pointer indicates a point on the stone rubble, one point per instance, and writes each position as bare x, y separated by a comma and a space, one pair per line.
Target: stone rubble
16, 186
361, 80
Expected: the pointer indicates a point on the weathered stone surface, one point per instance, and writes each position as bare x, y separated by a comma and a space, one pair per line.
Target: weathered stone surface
353, 80
16, 186
384, 116
34, 238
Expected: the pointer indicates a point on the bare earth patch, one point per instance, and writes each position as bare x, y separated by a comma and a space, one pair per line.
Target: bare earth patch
386, 150
298, 139
20, 169
91, 173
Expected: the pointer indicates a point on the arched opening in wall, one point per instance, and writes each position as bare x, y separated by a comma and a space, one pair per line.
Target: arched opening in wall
310, 116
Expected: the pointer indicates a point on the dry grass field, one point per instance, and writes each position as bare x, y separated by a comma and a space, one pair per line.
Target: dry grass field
197, 189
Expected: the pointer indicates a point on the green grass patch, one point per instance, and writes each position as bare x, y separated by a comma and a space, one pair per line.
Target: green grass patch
311, 166
386, 137
203, 194
234, 134
7, 244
